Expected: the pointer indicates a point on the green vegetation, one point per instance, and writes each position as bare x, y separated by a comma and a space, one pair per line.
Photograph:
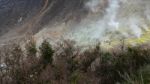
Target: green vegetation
66, 64
46, 52
31, 48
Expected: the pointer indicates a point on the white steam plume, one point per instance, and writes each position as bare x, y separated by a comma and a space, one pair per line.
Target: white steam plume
95, 30
110, 20
126, 17
93, 5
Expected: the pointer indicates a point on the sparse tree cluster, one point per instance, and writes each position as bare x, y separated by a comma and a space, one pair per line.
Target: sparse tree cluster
67, 64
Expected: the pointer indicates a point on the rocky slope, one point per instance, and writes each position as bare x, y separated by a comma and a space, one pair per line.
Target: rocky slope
85, 21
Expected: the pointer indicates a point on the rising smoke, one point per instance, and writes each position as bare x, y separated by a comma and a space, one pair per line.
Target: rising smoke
106, 20
120, 19
85, 21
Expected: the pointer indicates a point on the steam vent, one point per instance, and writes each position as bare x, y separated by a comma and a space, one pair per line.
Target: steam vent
84, 21
74, 41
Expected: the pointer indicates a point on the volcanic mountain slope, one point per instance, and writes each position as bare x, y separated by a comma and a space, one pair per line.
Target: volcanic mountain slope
98, 20
21, 16
81, 20
16, 12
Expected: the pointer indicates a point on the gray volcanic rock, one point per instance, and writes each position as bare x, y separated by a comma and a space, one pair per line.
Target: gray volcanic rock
16, 12
18, 17
65, 10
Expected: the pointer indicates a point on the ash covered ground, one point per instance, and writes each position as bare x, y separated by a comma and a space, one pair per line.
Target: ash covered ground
85, 21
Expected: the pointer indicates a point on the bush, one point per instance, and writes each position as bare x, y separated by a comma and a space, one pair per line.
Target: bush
46, 53
31, 48
142, 76
71, 66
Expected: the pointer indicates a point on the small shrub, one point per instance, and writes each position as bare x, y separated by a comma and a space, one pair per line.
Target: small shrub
75, 77
142, 76
46, 52
31, 48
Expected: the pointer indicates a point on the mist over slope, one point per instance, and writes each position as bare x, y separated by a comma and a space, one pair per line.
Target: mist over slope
85, 21
18, 17
117, 19
101, 20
